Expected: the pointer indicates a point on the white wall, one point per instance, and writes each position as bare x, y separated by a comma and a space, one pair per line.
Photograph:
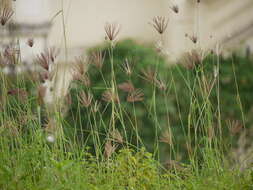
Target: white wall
85, 19
32, 11
221, 19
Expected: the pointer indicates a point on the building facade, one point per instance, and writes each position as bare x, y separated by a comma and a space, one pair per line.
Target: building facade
79, 24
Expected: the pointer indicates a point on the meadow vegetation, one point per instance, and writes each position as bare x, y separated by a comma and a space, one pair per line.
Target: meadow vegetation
127, 119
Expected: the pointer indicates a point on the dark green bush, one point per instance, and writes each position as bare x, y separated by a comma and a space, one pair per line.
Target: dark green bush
182, 83
235, 85
233, 99
142, 57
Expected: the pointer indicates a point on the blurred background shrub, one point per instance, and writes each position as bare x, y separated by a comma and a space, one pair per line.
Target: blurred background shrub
140, 58
172, 104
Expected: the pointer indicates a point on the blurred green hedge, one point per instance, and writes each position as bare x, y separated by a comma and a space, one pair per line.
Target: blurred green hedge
141, 57
179, 81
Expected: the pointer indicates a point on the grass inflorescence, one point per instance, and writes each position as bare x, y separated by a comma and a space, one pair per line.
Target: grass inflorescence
125, 119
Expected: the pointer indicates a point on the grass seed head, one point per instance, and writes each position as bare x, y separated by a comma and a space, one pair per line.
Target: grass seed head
85, 99
6, 14
193, 38
193, 58
160, 84
116, 136
160, 24
175, 8
97, 59
149, 75
45, 59
80, 68
126, 86
127, 67
86, 80
112, 31
109, 96
30, 42
109, 149
135, 96
11, 55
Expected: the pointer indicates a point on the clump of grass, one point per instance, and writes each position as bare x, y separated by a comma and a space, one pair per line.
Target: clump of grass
6, 14
95, 141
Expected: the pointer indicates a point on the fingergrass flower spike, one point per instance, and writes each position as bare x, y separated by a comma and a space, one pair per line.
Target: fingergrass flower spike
193, 58
85, 80
126, 87
109, 96
43, 61
127, 67
149, 75
11, 55
85, 99
160, 84
193, 38
175, 8
112, 31
116, 136
47, 58
80, 68
30, 42
6, 14
97, 59
135, 96
109, 149
160, 24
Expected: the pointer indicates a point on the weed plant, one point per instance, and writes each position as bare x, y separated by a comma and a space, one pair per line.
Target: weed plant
126, 120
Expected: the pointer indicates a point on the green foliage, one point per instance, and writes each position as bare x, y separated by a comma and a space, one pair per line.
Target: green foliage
37, 165
192, 101
142, 57
228, 95
186, 105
